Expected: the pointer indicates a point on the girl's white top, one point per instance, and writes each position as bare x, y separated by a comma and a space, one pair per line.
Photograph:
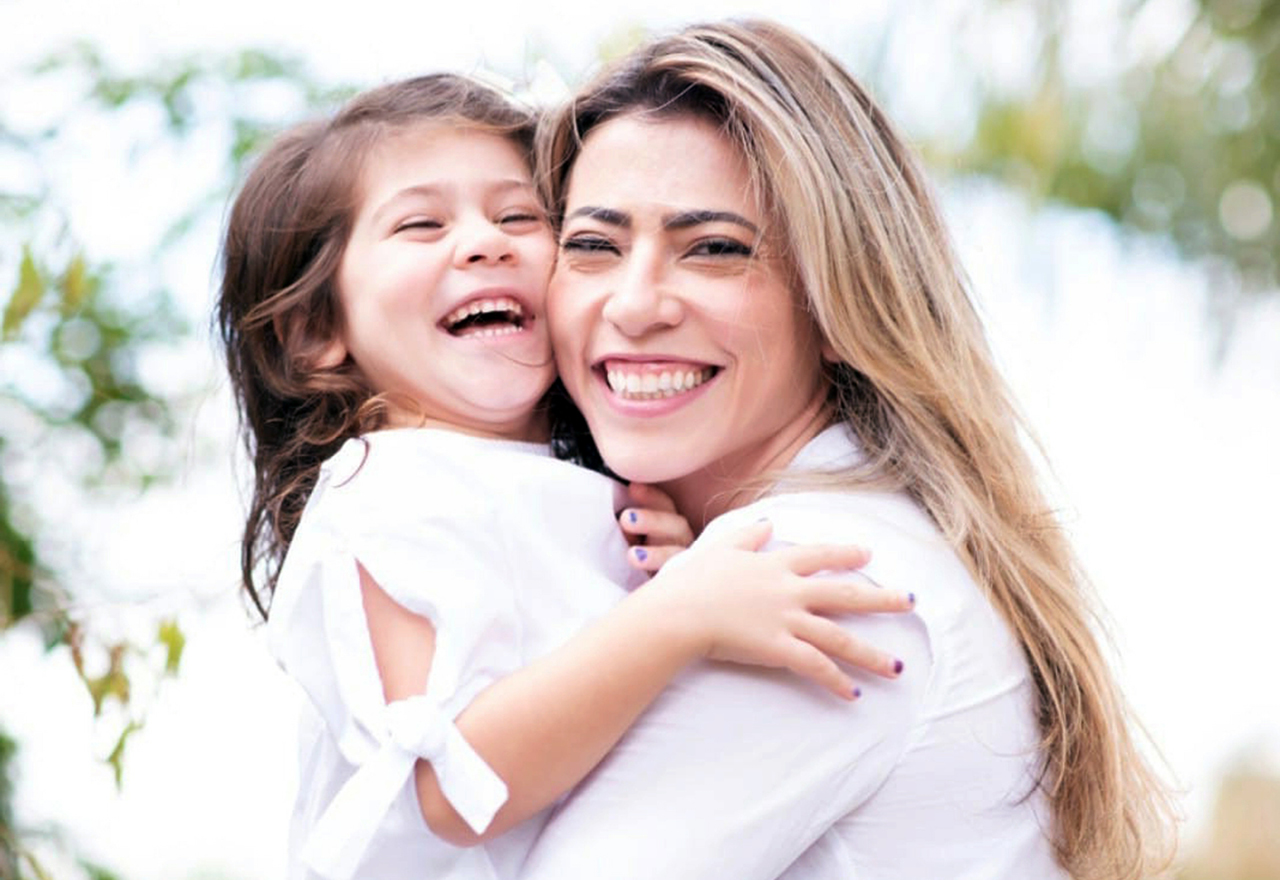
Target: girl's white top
508, 552
737, 772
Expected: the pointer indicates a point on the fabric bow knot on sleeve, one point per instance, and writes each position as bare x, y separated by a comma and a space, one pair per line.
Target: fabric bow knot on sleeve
415, 727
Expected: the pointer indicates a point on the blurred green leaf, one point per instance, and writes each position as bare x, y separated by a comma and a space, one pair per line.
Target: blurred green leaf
26, 296
75, 285
116, 758
112, 683
170, 635
17, 206
97, 872
8, 750
37, 870
17, 567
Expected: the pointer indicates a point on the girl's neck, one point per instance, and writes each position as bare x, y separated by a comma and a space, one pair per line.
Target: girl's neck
532, 428
738, 480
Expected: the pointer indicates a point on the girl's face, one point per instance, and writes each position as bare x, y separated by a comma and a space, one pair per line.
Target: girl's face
675, 326
443, 282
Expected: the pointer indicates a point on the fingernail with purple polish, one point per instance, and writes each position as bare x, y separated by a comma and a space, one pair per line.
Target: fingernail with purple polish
897, 667
857, 692
911, 598
632, 518
642, 554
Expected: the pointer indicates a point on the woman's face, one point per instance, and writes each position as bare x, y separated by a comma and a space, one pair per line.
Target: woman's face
673, 321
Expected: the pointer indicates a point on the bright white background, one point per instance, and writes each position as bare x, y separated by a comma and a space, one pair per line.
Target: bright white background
1163, 442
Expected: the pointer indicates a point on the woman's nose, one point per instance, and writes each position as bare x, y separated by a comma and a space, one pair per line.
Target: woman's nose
641, 300
482, 241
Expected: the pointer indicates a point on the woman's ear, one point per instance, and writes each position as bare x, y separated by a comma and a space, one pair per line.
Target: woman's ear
828, 352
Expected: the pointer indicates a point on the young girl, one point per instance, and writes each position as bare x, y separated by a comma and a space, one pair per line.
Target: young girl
426, 561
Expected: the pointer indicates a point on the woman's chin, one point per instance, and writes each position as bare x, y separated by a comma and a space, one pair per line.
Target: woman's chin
642, 463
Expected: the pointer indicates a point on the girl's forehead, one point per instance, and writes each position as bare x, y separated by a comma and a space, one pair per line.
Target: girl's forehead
437, 157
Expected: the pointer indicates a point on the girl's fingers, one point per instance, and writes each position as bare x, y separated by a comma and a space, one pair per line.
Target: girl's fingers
656, 526
646, 495
652, 557
850, 596
836, 642
807, 559
805, 660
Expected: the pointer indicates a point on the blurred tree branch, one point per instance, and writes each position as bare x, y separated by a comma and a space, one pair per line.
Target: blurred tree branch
74, 399
1184, 142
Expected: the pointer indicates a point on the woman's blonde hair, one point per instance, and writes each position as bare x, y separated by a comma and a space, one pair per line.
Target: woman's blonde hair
912, 376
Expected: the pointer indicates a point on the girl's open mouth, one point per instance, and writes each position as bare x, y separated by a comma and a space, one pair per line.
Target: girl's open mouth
498, 316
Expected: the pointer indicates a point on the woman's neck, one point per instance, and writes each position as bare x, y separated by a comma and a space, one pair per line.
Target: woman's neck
738, 480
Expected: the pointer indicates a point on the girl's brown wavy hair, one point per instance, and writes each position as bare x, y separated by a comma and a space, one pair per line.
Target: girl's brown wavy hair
278, 308
913, 378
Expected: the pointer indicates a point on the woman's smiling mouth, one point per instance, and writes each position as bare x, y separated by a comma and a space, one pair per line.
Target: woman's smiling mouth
643, 380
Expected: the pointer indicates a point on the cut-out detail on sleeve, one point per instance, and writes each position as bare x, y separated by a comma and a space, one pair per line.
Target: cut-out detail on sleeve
415, 727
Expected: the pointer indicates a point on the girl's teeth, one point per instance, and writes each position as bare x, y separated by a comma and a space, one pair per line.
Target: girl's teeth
501, 304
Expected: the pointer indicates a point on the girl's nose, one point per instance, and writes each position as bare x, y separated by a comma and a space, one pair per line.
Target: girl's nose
483, 241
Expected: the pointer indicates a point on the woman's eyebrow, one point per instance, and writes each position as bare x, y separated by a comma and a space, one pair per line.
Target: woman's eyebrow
685, 219
604, 215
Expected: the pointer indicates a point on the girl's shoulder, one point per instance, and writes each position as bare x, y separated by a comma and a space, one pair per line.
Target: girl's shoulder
423, 450
404, 461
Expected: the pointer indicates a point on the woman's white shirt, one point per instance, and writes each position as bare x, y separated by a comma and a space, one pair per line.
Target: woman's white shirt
745, 773
508, 552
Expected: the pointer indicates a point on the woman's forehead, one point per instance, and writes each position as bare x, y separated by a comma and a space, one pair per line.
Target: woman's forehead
668, 164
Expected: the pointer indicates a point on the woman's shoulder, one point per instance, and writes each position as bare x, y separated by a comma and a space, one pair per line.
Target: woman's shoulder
909, 553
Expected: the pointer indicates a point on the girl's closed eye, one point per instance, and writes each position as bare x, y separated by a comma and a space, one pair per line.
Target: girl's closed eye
419, 223
521, 217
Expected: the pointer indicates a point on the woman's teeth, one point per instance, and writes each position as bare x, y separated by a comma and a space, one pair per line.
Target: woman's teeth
650, 386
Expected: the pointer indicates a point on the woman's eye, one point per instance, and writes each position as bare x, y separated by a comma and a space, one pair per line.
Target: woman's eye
720, 247
588, 244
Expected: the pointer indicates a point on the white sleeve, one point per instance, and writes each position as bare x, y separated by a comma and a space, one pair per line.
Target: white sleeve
735, 770
449, 568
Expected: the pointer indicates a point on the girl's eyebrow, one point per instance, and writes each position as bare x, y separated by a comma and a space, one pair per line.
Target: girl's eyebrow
429, 190
681, 220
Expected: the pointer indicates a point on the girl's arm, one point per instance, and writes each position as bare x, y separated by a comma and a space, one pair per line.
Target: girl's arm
544, 727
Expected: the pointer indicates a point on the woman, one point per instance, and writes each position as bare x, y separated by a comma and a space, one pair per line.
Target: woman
756, 307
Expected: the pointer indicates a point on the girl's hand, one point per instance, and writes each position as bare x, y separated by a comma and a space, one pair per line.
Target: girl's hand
770, 608
653, 528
